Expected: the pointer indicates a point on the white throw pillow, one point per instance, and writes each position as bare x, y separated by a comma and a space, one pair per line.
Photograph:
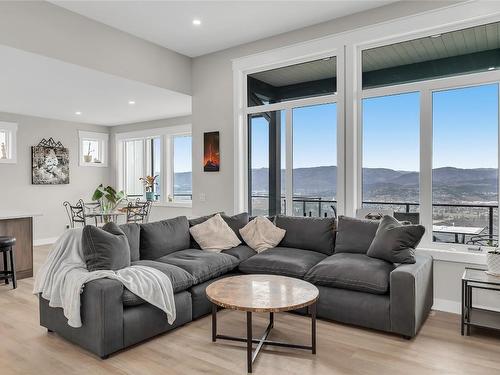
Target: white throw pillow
261, 234
214, 234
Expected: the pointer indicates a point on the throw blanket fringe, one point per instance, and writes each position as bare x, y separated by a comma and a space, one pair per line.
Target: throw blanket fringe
62, 277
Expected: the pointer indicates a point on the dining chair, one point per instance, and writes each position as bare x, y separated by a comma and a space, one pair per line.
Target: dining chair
138, 212
91, 209
76, 213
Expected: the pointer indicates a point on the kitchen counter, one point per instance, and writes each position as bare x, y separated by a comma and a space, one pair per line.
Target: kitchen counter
19, 224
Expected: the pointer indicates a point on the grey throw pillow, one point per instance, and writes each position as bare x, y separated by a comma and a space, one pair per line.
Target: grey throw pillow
106, 248
395, 242
164, 237
354, 235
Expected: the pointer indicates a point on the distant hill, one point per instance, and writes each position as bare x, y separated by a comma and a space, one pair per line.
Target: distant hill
449, 184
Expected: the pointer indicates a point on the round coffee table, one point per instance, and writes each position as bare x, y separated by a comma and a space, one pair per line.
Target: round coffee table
262, 293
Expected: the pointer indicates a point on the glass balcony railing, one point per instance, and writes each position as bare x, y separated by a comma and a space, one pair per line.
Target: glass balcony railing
453, 223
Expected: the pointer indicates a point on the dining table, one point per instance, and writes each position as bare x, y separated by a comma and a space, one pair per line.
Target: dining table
106, 216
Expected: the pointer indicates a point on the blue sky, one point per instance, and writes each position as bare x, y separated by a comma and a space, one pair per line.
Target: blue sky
465, 126
314, 138
182, 154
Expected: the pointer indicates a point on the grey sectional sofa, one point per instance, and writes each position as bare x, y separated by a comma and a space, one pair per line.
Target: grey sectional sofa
354, 288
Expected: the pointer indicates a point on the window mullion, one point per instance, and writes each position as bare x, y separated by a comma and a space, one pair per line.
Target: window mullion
426, 150
289, 162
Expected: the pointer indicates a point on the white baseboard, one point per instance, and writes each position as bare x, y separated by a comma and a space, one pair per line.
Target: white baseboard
447, 305
45, 241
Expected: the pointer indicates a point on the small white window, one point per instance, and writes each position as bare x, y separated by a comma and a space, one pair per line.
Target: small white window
93, 149
8, 142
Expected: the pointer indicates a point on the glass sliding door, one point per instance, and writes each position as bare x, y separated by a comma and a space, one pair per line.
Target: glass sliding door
465, 165
314, 160
391, 154
265, 173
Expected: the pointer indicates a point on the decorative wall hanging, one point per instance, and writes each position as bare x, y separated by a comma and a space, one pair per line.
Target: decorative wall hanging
211, 155
49, 163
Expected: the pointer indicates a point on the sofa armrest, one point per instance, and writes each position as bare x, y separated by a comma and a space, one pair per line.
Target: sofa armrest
102, 318
411, 292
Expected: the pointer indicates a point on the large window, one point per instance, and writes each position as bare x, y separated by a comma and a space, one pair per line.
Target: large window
391, 156
164, 153
465, 164
314, 160
292, 139
430, 119
142, 158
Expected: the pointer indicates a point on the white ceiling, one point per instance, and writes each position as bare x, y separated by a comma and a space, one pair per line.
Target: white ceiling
36, 85
224, 23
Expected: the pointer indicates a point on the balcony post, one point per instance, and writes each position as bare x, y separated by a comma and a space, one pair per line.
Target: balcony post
490, 222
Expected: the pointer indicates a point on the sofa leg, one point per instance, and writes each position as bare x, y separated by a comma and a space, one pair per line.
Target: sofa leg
407, 337
105, 356
49, 330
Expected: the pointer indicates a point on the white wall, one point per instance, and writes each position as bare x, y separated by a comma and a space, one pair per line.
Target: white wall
213, 96
158, 212
46, 29
16, 189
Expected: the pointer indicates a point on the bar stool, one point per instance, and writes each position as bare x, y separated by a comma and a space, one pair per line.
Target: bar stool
6, 246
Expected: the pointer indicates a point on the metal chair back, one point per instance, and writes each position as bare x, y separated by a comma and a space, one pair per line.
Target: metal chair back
76, 213
411, 217
138, 212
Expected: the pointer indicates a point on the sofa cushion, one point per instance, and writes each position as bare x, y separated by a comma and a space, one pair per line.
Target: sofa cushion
242, 252
164, 237
261, 234
308, 233
352, 271
214, 234
181, 280
283, 261
395, 242
202, 265
354, 235
106, 248
236, 222
133, 233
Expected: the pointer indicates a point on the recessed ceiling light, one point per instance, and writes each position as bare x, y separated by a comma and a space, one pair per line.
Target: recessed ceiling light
435, 36
131, 102
196, 22
491, 68
78, 113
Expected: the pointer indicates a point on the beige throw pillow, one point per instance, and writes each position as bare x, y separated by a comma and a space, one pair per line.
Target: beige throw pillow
261, 234
214, 234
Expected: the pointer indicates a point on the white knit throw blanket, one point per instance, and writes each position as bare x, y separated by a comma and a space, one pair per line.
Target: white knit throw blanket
62, 277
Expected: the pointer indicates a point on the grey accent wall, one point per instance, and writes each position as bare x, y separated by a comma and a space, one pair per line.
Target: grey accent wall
46, 29
16, 190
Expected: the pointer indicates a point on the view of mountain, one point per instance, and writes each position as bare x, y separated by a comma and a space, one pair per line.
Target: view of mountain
450, 185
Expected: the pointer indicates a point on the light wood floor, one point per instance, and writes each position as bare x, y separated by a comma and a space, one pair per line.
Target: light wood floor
27, 348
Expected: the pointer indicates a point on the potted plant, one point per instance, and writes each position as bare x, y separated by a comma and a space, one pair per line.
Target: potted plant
493, 262
149, 183
108, 197
88, 158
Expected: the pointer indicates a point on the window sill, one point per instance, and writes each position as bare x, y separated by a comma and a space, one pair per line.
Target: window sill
174, 204
97, 165
8, 161
457, 256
